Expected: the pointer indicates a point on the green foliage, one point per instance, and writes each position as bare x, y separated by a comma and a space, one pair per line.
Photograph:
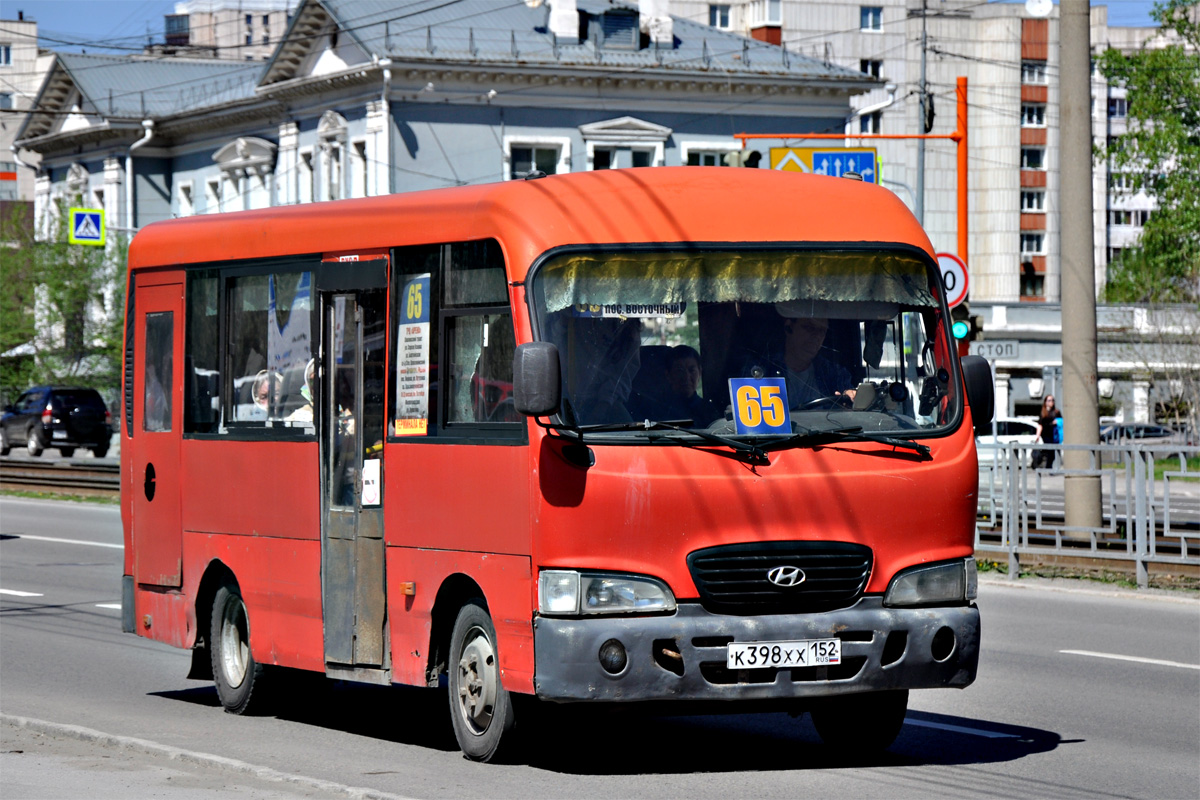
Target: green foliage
64, 302
1161, 150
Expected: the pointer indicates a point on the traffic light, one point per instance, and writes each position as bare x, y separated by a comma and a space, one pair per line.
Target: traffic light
960, 324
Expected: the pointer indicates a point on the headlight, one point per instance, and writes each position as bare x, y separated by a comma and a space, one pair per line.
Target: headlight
566, 592
937, 584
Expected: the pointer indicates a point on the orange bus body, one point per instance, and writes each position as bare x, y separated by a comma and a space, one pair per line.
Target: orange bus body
474, 520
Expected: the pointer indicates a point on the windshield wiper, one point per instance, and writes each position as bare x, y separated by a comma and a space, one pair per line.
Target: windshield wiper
750, 453
849, 434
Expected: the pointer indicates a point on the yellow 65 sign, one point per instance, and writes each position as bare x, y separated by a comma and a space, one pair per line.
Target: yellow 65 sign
760, 405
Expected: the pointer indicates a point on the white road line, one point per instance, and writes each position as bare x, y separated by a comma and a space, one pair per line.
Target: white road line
117, 606
920, 723
66, 541
1136, 659
15, 593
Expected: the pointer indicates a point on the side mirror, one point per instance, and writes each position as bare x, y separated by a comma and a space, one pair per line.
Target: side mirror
10, 409
981, 393
537, 379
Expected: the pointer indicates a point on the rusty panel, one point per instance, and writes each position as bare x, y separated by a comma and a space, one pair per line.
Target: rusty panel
507, 585
370, 598
1033, 178
1031, 93
1035, 39
1033, 136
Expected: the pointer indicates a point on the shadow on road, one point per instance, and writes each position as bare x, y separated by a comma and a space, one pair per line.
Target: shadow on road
630, 742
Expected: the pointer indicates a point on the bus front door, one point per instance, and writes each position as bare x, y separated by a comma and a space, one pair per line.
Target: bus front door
351, 430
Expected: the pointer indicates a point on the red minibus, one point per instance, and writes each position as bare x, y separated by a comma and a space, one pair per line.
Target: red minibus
688, 435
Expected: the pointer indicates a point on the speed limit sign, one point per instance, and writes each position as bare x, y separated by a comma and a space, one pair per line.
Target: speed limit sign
954, 278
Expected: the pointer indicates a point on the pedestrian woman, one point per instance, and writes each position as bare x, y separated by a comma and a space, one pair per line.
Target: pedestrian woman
1049, 430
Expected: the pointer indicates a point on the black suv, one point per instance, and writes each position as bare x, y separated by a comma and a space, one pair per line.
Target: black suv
64, 417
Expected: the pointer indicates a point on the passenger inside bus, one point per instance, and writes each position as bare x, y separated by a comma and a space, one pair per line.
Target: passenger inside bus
304, 413
610, 349
682, 378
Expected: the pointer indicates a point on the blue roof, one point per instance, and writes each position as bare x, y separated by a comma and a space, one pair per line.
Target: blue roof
515, 34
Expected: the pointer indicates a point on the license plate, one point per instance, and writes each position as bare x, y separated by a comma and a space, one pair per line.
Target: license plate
778, 655
59, 434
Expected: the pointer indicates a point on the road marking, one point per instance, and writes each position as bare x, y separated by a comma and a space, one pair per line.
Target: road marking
66, 541
1136, 659
15, 593
117, 606
920, 723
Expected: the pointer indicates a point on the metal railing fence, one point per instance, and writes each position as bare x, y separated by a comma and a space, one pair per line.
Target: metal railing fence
1150, 504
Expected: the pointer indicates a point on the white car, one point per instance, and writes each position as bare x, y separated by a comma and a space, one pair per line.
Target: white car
1022, 430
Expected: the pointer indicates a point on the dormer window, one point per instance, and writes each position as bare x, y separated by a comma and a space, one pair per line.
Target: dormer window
618, 30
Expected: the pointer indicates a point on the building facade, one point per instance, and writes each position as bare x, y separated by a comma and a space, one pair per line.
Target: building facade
22, 69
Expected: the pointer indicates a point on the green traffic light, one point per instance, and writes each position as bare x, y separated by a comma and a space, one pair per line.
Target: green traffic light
961, 329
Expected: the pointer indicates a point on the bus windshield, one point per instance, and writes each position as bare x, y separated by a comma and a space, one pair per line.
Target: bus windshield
840, 339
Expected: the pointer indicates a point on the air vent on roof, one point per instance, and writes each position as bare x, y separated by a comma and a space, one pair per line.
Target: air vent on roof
619, 30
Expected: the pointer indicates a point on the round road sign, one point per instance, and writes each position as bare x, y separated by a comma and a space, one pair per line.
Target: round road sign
954, 278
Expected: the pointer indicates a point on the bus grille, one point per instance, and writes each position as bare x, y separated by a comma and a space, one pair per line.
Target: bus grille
733, 579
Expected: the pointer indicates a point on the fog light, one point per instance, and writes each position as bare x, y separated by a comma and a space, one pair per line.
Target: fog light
612, 657
943, 644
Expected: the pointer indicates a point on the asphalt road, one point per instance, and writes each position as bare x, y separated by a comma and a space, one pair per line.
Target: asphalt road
1059, 709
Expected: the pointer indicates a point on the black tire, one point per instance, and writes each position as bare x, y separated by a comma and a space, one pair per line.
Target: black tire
861, 722
100, 451
33, 442
481, 711
235, 672
66, 452
5, 444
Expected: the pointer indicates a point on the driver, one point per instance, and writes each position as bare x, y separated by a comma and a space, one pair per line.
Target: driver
810, 376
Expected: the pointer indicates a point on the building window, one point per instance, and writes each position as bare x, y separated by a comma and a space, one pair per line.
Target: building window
718, 15
187, 203
358, 184
872, 67
1118, 108
710, 159
5, 55
6, 101
870, 123
1120, 182
1120, 217
212, 196
1033, 72
1032, 284
1033, 201
1033, 244
871, 18
1033, 158
249, 20
526, 159
1033, 116
249, 39
306, 188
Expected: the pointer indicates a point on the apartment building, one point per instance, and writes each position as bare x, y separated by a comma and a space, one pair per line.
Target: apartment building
21, 74
246, 30
1009, 54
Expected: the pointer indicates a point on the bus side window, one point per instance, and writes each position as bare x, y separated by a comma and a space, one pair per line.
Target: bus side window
202, 374
157, 380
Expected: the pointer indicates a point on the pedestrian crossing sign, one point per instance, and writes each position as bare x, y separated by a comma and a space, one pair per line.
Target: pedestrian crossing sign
87, 226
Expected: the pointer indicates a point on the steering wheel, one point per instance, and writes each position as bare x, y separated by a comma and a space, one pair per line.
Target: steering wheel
830, 400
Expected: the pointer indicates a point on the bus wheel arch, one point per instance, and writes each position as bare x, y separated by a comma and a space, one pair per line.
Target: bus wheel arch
237, 676
456, 590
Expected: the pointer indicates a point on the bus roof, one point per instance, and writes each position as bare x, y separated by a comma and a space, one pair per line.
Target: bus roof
529, 217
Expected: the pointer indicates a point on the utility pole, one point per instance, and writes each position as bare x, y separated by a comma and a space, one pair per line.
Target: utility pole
1081, 423
919, 210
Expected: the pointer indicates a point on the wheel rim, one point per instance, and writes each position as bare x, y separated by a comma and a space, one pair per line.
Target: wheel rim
477, 681
31, 443
235, 644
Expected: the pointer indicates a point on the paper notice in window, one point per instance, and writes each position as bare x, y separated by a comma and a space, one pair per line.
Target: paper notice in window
370, 482
412, 359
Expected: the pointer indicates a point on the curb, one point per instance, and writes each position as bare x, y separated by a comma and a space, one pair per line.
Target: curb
1065, 587
193, 757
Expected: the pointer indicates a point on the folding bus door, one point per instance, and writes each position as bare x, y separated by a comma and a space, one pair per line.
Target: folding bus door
351, 433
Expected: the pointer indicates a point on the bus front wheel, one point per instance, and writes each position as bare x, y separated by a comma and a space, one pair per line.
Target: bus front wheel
480, 708
861, 722
235, 671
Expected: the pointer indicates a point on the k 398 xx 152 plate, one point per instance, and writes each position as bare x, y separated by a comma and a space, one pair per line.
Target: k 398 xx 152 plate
779, 655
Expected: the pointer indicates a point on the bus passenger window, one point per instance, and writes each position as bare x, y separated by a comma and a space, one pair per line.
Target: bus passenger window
481, 354
201, 375
157, 380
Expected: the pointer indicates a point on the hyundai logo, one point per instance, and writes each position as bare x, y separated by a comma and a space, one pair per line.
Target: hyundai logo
786, 577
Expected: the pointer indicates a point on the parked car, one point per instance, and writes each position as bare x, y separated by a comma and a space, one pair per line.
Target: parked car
1126, 431
1022, 430
62, 417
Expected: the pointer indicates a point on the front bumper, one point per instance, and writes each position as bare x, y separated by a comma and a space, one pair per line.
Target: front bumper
681, 656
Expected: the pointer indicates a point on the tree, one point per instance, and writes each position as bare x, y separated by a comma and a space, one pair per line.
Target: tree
63, 304
1161, 151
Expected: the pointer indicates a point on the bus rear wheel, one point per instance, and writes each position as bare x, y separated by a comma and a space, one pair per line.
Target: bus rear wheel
861, 722
235, 672
480, 708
